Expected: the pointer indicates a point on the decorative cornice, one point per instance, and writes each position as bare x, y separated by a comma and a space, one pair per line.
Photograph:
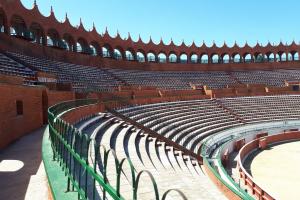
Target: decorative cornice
15, 6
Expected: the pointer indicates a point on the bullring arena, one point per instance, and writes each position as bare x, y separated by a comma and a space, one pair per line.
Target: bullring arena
85, 115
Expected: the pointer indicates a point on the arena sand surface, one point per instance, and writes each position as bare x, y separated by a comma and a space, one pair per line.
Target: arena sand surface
277, 170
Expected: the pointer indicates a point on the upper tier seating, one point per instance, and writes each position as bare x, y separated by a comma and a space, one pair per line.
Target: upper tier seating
270, 78
11, 67
264, 108
214, 80
186, 123
87, 78
170, 168
174, 80
83, 78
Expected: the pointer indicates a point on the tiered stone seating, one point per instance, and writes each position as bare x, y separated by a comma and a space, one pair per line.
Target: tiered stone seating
83, 78
270, 78
294, 75
87, 78
174, 80
264, 108
11, 67
186, 123
170, 168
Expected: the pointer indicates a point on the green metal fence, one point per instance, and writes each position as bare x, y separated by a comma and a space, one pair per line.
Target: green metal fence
238, 192
71, 150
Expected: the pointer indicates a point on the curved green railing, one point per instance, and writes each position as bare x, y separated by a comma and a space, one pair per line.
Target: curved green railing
240, 192
71, 150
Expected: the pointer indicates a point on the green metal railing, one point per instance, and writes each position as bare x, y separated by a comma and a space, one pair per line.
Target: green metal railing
240, 192
86, 173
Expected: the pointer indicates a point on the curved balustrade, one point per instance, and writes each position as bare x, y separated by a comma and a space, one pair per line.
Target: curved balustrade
254, 145
71, 149
215, 146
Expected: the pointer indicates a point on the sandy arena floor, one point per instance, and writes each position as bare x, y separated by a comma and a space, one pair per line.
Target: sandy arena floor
277, 170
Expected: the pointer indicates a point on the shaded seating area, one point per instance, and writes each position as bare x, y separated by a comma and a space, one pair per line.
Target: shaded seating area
83, 78
13, 68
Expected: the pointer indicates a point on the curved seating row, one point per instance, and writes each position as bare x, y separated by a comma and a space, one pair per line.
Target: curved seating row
186, 122
189, 122
87, 78
11, 67
169, 167
264, 108
83, 78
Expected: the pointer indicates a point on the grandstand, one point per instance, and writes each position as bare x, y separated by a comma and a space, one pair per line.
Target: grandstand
121, 121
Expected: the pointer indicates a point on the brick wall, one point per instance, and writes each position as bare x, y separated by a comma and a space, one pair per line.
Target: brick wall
55, 97
13, 126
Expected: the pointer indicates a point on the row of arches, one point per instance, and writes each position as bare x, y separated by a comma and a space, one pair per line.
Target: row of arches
35, 33
204, 58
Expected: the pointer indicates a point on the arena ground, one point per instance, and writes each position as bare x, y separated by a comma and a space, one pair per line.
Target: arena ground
273, 168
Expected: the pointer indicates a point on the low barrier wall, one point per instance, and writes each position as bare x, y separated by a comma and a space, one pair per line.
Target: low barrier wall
256, 190
217, 180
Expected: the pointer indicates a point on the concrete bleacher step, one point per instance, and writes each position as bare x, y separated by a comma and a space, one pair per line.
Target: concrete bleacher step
170, 168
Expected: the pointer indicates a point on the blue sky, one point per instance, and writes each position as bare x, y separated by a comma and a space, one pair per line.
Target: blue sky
198, 20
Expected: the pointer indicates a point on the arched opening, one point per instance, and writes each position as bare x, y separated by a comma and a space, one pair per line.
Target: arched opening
225, 58
283, 56
117, 54
204, 59
79, 48
258, 57
290, 57
69, 42
65, 44
271, 57
247, 58
215, 58
3, 21
151, 57
277, 58
236, 58
194, 58
183, 58
95, 48
53, 39
82, 46
129, 55
296, 56
173, 58
140, 56
37, 33
107, 51
18, 27
162, 58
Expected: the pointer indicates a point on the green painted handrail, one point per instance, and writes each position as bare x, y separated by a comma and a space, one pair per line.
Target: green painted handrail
71, 150
241, 193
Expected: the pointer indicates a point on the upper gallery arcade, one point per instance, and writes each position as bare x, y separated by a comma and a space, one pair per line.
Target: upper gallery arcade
31, 25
